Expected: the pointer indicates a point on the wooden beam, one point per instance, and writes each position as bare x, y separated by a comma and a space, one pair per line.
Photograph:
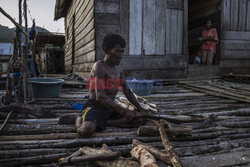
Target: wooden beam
12, 20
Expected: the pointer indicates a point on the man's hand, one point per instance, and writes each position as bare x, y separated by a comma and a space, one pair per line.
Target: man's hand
144, 110
130, 115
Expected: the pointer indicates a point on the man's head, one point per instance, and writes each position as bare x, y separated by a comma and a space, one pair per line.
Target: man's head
113, 45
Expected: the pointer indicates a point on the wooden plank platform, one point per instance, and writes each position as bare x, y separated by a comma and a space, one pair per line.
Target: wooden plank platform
33, 138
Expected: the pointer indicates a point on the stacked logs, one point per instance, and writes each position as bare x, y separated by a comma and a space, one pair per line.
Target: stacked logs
228, 135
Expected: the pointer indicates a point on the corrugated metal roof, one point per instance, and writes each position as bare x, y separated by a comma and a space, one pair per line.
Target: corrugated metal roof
6, 48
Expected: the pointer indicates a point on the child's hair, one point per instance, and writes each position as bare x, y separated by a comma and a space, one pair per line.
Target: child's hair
206, 20
110, 40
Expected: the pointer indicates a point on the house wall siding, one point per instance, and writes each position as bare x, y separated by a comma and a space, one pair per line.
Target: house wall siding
235, 43
83, 39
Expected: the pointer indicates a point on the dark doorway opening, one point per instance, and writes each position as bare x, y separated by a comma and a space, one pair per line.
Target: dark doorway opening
198, 12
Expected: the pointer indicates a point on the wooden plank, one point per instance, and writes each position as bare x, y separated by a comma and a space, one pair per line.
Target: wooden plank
235, 44
84, 11
85, 49
175, 4
160, 42
225, 15
107, 18
245, 63
79, 7
168, 31
179, 32
149, 27
85, 32
185, 29
236, 35
88, 57
174, 23
107, 7
89, 37
85, 67
85, 22
124, 20
235, 54
248, 16
242, 15
234, 15
135, 30
153, 62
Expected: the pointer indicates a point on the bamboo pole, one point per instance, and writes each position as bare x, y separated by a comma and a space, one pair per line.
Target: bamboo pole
12, 20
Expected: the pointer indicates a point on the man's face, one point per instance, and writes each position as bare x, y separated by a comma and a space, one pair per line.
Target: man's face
115, 54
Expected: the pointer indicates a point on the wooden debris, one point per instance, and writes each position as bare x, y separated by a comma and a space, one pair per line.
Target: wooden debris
99, 156
103, 157
143, 102
158, 154
173, 131
145, 157
170, 150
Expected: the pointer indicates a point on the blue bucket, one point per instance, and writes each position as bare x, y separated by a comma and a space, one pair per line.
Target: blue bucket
46, 87
141, 87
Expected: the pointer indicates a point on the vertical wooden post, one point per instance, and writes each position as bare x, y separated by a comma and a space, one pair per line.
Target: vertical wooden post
185, 33
25, 54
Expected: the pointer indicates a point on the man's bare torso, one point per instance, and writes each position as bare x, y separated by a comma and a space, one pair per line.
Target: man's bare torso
113, 74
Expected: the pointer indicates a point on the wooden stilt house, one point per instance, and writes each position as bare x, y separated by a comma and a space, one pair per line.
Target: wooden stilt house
161, 35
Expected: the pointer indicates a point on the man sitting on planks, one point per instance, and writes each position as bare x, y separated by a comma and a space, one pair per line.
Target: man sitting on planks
106, 78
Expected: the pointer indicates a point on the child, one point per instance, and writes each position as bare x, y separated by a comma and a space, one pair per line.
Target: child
197, 59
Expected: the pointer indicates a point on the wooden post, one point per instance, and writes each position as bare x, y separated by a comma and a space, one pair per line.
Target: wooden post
28, 94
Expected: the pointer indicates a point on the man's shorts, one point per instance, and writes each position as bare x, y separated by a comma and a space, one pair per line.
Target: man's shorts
98, 113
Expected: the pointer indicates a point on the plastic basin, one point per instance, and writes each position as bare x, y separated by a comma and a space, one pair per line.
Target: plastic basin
46, 87
141, 87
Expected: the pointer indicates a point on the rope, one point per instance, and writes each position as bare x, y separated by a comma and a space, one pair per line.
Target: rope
8, 116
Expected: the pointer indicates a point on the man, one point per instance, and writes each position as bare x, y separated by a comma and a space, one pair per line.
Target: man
101, 110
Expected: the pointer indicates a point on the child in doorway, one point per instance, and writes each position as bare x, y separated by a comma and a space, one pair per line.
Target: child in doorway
197, 59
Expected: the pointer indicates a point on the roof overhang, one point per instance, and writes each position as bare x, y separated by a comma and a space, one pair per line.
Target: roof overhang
61, 8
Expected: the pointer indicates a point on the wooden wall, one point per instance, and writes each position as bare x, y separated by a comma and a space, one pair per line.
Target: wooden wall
199, 11
80, 37
156, 39
235, 43
154, 31
107, 20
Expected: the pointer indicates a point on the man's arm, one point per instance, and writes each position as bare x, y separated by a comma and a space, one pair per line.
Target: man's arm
130, 95
102, 97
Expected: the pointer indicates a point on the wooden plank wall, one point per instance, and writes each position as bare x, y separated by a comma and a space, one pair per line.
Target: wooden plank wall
156, 38
235, 43
156, 27
84, 39
198, 13
107, 20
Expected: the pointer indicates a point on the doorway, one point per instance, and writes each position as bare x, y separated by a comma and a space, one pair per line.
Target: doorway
198, 12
